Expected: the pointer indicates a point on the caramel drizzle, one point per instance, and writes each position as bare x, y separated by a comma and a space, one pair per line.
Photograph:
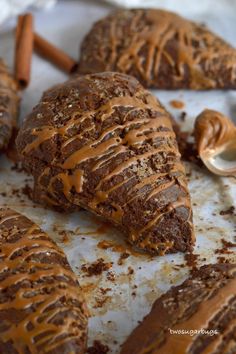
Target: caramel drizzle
109, 145
214, 345
32, 242
179, 344
158, 29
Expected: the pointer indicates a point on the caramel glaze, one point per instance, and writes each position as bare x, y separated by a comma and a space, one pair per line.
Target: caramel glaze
107, 145
9, 105
161, 49
205, 301
42, 309
213, 132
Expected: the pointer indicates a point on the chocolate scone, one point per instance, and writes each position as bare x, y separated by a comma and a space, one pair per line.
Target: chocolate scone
42, 309
103, 143
196, 317
9, 105
161, 49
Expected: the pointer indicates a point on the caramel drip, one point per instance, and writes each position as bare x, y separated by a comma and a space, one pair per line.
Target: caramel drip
180, 202
69, 181
214, 345
213, 132
48, 132
146, 48
90, 151
133, 142
179, 344
41, 292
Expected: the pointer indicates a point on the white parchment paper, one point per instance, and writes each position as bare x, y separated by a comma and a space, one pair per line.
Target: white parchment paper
140, 279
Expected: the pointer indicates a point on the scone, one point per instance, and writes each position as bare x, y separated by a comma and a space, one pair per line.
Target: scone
196, 317
9, 105
104, 143
42, 309
161, 49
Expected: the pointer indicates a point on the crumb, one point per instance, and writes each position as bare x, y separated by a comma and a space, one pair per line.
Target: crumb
96, 268
130, 271
122, 257
27, 190
111, 276
228, 244
225, 247
229, 211
222, 259
100, 301
191, 260
183, 116
98, 348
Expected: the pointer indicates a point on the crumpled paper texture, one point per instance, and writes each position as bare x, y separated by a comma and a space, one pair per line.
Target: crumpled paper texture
117, 306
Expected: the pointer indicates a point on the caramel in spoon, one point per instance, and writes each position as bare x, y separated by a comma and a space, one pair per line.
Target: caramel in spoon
215, 136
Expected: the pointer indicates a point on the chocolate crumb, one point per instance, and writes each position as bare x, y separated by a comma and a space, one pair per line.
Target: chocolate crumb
111, 276
191, 260
221, 259
96, 268
228, 244
98, 348
27, 190
130, 271
229, 211
182, 116
122, 257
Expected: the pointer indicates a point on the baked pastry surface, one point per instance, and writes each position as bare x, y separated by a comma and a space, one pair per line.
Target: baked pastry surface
9, 105
104, 143
161, 49
176, 324
42, 309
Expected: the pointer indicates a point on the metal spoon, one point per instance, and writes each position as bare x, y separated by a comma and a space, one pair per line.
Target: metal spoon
215, 136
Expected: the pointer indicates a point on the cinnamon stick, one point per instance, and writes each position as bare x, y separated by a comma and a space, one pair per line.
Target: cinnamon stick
54, 54
23, 49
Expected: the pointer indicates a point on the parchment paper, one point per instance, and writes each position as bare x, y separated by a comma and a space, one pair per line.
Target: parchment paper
116, 305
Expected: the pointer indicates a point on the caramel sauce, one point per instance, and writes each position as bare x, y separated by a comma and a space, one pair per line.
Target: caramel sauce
213, 132
177, 104
195, 49
33, 242
176, 344
106, 147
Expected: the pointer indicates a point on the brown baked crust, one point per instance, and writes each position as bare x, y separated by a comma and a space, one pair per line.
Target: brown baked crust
161, 49
104, 143
207, 301
9, 105
42, 309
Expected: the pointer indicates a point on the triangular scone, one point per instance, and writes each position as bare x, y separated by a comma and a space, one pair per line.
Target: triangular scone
42, 309
9, 105
104, 143
197, 316
161, 49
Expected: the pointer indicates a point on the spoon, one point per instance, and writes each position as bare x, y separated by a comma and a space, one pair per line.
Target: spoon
215, 136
